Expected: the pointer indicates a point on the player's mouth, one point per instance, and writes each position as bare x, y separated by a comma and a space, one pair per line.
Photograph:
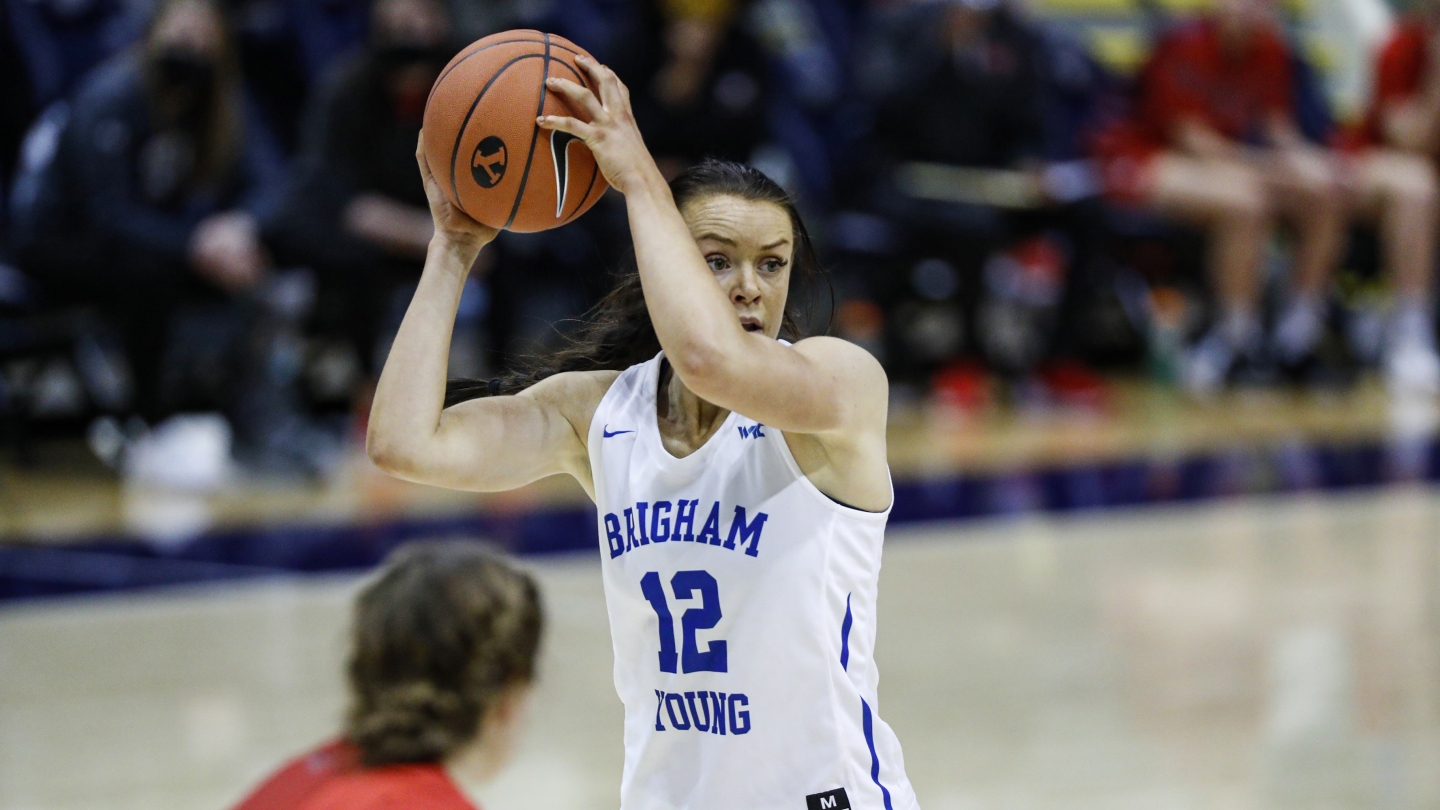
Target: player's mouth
751, 324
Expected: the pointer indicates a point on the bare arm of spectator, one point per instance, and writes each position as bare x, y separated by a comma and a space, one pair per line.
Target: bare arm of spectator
391, 225
225, 248
1194, 137
1307, 163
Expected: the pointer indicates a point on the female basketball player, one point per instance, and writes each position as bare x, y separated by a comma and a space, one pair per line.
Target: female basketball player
442, 655
741, 480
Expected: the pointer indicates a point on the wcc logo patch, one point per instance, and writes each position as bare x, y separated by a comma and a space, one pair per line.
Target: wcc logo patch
751, 431
829, 800
487, 163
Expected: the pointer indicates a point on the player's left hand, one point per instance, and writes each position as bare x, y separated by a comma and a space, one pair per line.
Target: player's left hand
612, 134
451, 223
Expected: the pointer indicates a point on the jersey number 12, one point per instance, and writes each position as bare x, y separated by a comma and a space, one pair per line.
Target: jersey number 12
685, 584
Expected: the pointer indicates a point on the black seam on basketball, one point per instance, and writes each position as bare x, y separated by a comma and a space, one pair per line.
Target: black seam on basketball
460, 135
534, 136
575, 50
448, 68
578, 74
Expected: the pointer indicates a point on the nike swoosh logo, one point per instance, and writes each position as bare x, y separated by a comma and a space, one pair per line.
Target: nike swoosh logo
607, 432
560, 156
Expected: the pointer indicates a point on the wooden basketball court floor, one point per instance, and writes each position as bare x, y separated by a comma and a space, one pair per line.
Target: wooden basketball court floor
1256, 652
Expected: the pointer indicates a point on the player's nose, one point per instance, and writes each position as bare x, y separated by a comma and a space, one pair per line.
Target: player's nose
747, 285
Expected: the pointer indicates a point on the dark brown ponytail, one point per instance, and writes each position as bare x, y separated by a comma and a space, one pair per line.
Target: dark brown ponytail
617, 332
446, 628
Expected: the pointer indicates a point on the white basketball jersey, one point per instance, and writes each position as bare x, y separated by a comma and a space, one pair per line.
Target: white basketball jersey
742, 610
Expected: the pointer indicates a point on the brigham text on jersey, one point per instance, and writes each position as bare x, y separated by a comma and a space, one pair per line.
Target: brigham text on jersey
661, 522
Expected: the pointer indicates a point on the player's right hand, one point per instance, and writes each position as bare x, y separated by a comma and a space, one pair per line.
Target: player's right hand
612, 134
451, 223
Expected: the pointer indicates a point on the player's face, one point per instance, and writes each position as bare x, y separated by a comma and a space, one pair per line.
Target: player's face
748, 246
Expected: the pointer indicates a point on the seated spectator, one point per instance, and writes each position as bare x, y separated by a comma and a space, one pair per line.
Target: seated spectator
357, 212
154, 194
1215, 142
442, 657
1400, 141
958, 83
698, 81
1405, 111
979, 116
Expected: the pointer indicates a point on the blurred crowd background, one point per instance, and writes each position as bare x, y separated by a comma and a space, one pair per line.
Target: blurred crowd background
213, 205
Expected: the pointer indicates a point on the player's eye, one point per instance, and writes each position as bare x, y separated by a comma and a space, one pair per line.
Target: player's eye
717, 263
773, 265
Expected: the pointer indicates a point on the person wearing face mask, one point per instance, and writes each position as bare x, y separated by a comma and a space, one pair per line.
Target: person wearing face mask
155, 194
356, 213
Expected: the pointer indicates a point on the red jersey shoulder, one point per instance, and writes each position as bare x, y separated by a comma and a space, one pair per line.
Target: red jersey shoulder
1402, 60
331, 778
396, 787
1198, 40
1189, 39
1271, 44
301, 777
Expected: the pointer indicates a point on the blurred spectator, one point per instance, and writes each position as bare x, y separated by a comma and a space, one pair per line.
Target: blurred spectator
271, 61
151, 192
357, 213
697, 80
815, 116
59, 41
1216, 141
46, 46
1406, 102
959, 83
1399, 145
979, 120
441, 667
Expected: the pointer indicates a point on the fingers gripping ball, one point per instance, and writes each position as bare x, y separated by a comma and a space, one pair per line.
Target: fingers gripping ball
484, 147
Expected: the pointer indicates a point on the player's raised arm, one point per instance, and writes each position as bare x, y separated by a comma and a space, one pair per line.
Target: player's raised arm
489, 444
722, 349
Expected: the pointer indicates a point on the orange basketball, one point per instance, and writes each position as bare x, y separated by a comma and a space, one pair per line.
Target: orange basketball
484, 147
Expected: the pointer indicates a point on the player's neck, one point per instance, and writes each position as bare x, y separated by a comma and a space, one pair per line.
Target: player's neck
483, 758
684, 416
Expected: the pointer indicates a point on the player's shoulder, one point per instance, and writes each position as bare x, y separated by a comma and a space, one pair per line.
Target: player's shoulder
409, 787
422, 786
332, 776
844, 358
575, 387
574, 395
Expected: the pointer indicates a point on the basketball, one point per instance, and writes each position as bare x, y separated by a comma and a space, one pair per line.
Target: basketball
482, 143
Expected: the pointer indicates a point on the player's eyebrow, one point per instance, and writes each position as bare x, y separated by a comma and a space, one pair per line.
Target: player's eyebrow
725, 240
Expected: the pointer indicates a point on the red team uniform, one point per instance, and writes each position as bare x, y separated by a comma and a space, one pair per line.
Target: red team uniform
331, 778
1189, 76
1403, 64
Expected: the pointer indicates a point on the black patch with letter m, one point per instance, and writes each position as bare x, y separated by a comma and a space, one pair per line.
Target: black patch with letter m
829, 800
